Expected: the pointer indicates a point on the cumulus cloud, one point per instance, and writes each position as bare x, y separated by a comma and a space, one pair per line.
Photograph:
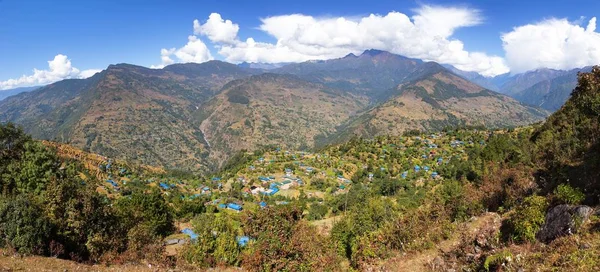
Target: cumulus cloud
426, 35
58, 69
217, 29
194, 51
552, 43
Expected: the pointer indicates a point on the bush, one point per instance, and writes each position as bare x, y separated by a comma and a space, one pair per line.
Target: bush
32, 171
23, 226
566, 194
189, 208
150, 209
317, 211
216, 243
497, 259
527, 219
349, 233
285, 243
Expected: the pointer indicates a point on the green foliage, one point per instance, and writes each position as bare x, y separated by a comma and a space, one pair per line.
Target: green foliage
568, 195
420, 228
13, 145
238, 96
456, 202
33, 170
216, 244
360, 221
317, 211
497, 259
190, 208
23, 226
84, 223
527, 219
568, 142
389, 187
357, 195
150, 209
285, 243
502, 148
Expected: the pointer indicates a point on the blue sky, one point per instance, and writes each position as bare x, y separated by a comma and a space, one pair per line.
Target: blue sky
94, 34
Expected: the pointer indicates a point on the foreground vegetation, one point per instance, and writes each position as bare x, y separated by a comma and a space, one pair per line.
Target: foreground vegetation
345, 207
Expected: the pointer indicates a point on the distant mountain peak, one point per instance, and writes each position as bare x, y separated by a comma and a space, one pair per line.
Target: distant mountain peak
373, 52
351, 55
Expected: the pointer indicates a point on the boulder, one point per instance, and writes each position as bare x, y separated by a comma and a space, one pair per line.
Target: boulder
563, 220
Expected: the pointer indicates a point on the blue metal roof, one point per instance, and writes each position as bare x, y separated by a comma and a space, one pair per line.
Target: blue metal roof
191, 233
234, 206
243, 240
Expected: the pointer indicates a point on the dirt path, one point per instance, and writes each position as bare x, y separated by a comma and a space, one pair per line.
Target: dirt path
422, 261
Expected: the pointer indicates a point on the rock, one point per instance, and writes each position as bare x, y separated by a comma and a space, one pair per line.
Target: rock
438, 263
585, 246
563, 220
481, 240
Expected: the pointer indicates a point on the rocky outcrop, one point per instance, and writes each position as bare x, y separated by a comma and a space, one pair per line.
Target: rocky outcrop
563, 220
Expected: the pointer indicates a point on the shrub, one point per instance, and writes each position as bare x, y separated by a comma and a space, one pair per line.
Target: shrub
317, 211
189, 208
497, 259
419, 228
285, 243
564, 193
350, 234
33, 170
23, 226
527, 219
150, 209
216, 243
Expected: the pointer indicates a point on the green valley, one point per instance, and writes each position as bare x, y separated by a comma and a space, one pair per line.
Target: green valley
463, 198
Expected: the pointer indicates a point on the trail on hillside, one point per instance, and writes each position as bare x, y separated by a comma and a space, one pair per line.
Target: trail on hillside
424, 260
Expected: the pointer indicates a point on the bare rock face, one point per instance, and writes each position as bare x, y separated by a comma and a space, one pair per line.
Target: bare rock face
563, 220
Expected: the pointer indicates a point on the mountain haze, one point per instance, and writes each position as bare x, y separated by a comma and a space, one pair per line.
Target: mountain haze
10, 92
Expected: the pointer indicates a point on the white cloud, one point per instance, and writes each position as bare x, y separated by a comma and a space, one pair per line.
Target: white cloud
58, 69
88, 73
194, 51
427, 35
552, 43
217, 29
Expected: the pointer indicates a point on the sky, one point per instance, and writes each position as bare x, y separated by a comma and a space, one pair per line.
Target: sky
45, 41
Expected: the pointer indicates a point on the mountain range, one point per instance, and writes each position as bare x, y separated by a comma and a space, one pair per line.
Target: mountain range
10, 92
545, 88
196, 116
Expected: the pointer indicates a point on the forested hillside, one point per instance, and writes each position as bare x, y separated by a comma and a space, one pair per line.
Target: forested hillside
380, 203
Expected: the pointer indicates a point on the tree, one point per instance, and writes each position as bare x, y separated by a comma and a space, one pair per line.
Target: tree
146, 208
84, 222
33, 170
23, 226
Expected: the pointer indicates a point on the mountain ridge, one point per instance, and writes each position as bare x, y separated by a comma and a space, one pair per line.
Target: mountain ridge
196, 116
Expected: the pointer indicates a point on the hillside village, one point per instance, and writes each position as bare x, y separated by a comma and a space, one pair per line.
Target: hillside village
300, 136
281, 177
457, 198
